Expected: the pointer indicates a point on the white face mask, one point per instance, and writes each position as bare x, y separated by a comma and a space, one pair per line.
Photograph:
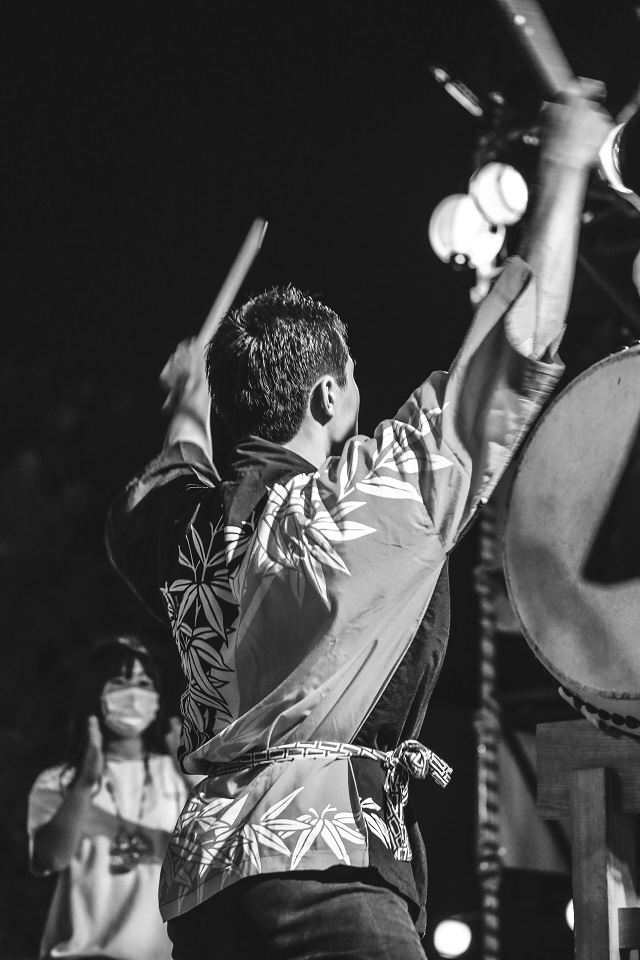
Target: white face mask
130, 711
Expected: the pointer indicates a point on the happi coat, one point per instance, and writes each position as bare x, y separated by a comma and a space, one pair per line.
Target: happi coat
294, 595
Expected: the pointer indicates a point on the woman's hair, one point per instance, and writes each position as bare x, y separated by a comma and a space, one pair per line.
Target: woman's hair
109, 659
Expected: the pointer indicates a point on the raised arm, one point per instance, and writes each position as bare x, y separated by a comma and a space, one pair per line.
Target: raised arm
450, 443
505, 371
136, 517
573, 132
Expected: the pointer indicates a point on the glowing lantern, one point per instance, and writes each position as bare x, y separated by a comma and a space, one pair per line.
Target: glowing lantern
458, 231
500, 193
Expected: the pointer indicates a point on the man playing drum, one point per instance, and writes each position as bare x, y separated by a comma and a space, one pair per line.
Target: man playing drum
306, 589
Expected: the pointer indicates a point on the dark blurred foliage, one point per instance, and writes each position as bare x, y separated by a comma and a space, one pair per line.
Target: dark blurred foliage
144, 140
63, 457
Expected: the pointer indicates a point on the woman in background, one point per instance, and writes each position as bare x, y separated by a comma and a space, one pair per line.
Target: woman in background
102, 820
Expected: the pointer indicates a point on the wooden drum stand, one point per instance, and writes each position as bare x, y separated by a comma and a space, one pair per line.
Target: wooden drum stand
593, 779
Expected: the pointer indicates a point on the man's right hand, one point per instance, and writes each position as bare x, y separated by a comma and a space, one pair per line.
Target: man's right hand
183, 377
185, 382
575, 127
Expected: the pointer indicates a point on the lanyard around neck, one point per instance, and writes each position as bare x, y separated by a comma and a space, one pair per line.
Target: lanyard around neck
146, 783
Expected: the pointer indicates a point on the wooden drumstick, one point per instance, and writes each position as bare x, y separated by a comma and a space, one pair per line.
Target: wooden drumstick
547, 59
234, 280
538, 41
226, 295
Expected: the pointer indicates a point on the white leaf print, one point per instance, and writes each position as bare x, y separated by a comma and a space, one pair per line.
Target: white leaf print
210, 607
200, 683
348, 529
438, 462
188, 597
305, 842
210, 698
180, 585
210, 655
251, 846
230, 815
320, 548
348, 471
271, 839
374, 822
407, 462
332, 838
389, 487
347, 827
344, 477
286, 827
212, 809
220, 839
198, 544
379, 827
277, 808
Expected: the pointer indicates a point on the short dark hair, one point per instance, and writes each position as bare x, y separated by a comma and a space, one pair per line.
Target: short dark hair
266, 356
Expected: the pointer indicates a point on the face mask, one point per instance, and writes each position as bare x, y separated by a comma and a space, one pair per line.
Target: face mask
128, 712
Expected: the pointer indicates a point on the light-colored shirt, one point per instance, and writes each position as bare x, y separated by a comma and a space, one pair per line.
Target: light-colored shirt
95, 911
293, 600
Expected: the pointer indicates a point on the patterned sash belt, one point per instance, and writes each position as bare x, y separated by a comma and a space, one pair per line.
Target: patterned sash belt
410, 759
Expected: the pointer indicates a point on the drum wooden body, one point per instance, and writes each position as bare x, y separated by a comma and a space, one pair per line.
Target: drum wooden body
583, 454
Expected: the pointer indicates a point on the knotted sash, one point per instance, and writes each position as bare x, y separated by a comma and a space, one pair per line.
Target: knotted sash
410, 759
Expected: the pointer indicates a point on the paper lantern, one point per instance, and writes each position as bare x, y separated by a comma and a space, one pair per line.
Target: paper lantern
459, 232
500, 193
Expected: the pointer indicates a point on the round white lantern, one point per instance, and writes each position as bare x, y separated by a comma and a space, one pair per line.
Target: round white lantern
500, 193
459, 232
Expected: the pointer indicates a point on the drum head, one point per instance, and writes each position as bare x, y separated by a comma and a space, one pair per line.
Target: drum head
584, 628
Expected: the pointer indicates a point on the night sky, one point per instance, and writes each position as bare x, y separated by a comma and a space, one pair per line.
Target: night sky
142, 140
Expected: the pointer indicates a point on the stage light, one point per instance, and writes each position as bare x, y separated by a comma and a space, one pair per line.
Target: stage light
452, 937
609, 160
458, 90
569, 914
500, 193
458, 231
620, 156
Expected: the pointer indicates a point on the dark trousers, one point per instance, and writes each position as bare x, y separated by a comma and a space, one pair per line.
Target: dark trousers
310, 915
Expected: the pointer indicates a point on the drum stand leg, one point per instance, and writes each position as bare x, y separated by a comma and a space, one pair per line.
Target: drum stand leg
604, 844
594, 780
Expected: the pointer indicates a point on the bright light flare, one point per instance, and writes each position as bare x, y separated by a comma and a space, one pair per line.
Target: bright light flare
452, 938
609, 166
569, 915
